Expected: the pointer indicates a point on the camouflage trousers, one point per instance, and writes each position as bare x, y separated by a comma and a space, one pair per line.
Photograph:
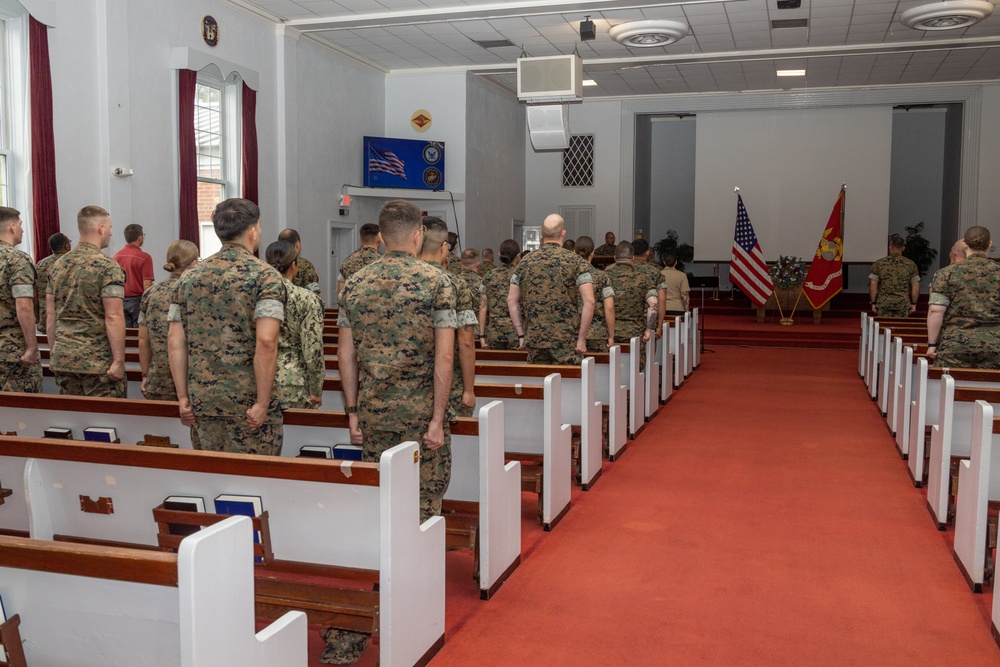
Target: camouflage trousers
893, 307
968, 350
295, 396
553, 355
15, 376
160, 396
625, 335
597, 344
435, 464
233, 435
90, 384
500, 341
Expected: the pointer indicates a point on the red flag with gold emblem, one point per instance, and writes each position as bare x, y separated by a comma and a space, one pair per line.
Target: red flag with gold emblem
825, 279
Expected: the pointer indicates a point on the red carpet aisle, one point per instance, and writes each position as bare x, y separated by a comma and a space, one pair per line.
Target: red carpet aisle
764, 518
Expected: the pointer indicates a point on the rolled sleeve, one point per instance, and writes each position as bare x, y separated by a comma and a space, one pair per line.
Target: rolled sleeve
342, 319
23, 291
514, 280
113, 292
938, 299
467, 318
269, 308
915, 279
584, 278
872, 276
608, 292
174, 313
445, 319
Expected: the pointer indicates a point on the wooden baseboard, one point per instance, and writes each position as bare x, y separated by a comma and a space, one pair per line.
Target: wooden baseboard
976, 588
487, 593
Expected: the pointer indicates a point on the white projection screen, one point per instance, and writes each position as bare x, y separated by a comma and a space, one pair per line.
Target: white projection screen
789, 166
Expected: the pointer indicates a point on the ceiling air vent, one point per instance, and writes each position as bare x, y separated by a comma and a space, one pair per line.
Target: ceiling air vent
644, 34
494, 43
778, 24
947, 15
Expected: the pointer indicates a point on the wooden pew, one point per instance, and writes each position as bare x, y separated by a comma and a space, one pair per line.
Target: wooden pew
978, 488
951, 439
82, 604
347, 522
476, 444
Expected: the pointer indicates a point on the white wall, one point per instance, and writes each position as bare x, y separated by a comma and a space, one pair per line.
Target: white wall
988, 214
543, 172
495, 130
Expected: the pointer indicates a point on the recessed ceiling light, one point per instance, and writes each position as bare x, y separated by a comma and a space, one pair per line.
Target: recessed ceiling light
589, 82
643, 34
791, 72
946, 15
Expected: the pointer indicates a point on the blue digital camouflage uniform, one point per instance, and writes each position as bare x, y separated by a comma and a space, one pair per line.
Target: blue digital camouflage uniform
500, 332
301, 365
970, 334
549, 279
894, 275
597, 335
219, 301
17, 281
153, 311
81, 356
392, 308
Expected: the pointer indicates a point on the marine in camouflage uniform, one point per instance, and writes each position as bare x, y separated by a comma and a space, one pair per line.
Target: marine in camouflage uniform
42, 270
485, 268
633, 288
604, 295
153, 311
894, 283
307, 277
301, 365
20, 366
608, 249
391, 309
465, 311
83, 354
500, 333
547, 283
217, 305
970, 293
356, 261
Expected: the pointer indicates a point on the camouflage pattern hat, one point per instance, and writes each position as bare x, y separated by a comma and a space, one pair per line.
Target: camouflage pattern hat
343, 647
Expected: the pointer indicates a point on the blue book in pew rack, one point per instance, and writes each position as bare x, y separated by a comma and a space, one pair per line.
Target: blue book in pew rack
239, 505
347, 452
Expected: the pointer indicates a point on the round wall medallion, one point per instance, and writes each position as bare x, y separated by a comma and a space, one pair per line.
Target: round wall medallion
421, 120
210, 31
946, 15
644, 34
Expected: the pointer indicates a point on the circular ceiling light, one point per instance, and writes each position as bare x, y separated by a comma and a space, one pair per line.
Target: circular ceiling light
644, 34
946, 15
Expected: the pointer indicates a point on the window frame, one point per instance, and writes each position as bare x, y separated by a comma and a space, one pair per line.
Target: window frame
231, 138
15, 121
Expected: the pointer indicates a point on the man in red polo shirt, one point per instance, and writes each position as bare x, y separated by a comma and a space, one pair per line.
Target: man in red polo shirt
138, 267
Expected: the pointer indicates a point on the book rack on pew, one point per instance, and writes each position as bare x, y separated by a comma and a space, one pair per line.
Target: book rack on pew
10, 639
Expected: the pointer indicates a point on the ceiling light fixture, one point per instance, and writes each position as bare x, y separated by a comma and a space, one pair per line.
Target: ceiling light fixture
790, 72
643, 34
589, 82
946, 15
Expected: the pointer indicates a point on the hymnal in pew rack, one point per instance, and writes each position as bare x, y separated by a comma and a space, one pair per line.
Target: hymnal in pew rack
100, 434
183, 504
58, 432
170, 542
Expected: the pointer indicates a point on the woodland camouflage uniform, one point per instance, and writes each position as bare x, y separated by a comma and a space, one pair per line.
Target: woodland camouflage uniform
153, 310
549, 279
632, 287
82, 353
465, 311
306, 277
392, 308
17, 280
970, 334
597, 336
42, 271
500, 332
894, 275
356, 261
486, 267
301, 365
219, 301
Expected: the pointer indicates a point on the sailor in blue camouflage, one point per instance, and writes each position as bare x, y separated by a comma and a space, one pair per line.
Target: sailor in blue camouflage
963, 320
225, 321
546, 284
20, 366
85, 317
500, 333
397, 324
894, 282
301, 365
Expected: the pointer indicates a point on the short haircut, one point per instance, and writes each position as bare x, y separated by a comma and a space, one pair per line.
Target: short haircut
368, 232
281, 255
670, 259
452, 241
470, 257
233, 217
435, 235
569, 244
8, 215
509, 249
289, 235
609, 234
88, 216
58, 241
624, 251
640, 246
488, 255
977, 238
180, 255
132, 233
397, 219
584, 246
897, 241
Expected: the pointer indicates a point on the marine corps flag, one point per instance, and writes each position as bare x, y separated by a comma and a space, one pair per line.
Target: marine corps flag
825, 279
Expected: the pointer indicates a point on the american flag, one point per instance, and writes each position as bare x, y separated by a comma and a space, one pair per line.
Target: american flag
385, 161
748, 270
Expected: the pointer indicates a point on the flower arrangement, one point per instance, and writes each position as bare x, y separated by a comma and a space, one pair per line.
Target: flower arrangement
788, 272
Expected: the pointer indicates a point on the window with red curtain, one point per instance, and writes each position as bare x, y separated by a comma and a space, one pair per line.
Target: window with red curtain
45, 197
188, 160
249, 113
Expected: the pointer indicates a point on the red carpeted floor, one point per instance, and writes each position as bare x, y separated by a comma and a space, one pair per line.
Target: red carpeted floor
763, 518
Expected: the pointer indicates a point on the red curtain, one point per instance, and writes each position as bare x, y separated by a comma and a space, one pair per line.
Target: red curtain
43, 149
250, 144
187, 81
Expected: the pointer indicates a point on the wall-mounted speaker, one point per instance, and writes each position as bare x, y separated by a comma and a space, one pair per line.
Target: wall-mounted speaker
550, 79
548, 126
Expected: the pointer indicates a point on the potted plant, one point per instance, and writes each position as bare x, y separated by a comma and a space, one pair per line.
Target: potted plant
684, 252
919, 249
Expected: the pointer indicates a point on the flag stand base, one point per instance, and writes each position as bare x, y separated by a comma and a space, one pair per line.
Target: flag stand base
787, 321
